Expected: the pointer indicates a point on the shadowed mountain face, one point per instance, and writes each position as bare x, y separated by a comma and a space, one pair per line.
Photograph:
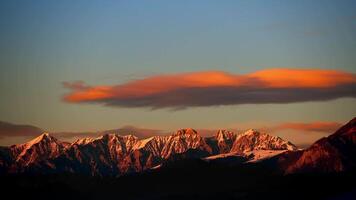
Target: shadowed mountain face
185, 179
335, 153
112, 155
332, 154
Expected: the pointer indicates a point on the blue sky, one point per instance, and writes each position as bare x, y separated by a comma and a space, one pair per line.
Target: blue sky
43, 43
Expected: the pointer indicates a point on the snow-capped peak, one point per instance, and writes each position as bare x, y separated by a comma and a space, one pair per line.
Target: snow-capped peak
44, 137
222, 135
42, 147
121, 154
254, 140
250, 132
183, 140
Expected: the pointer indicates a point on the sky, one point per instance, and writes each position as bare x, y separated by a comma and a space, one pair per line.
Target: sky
284, 66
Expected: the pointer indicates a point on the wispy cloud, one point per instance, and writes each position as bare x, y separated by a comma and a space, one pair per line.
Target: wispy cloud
325, 127
16, 130
22, 133
212, 88
303, 134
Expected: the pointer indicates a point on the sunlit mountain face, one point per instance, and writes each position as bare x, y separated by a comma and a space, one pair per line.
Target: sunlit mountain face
177, 99
260, 162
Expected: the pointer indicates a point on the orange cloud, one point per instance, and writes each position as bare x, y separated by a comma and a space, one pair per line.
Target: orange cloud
156, 84
188, 89
91, 94
307, 78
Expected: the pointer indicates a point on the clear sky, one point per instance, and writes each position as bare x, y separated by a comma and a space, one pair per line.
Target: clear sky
45, 43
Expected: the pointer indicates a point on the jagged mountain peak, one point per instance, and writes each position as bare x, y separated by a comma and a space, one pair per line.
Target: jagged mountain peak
44, 137
89, 140
224, 140
130, 137
223, 134
42, 147
185, 131
114, 154
107, 138
254, 140
182, 141
113, 136
114, 142
83, 141
250, 132
256, 133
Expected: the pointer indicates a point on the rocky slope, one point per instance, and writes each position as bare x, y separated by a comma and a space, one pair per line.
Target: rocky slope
17, 158
113, 154
335, 153
184, 140
221, 142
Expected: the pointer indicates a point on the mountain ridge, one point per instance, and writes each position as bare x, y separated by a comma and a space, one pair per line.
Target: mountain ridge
114, 154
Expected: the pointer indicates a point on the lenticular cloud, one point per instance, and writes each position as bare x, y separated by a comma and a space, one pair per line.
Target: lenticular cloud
213, 88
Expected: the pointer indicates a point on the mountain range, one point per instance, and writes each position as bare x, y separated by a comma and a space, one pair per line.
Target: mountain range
115, 155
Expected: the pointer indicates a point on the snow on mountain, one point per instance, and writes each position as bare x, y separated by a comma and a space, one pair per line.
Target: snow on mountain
220, 156
41, 148
253, 140
183, 140
104, 155
153, 144
260, 155
251, 144
144, 155
113, 154
225, 140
